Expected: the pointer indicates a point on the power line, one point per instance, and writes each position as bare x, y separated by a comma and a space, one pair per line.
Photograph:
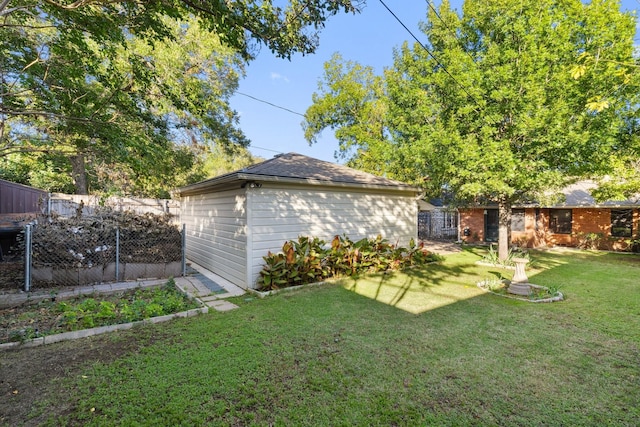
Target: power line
271, 104
453, 33
265, 149
464, 89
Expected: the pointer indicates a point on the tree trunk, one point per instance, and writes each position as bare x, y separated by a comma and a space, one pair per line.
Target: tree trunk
79, 173
504, 228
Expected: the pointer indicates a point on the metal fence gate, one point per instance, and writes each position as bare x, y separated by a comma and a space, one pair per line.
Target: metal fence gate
438, 225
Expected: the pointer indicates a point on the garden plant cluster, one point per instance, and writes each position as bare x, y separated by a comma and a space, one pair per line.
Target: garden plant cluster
51, 316
310, 260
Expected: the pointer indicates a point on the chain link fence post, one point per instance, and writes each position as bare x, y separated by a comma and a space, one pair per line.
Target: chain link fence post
184, 250
117, 254
27, 258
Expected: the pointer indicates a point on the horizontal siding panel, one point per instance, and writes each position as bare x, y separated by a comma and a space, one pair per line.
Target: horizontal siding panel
213, 247
216, 233
208, 248
229, 271
215, 253
238, 235
281, 214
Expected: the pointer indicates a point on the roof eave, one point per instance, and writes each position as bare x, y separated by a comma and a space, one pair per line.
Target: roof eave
201, 186
239, 177
319, 182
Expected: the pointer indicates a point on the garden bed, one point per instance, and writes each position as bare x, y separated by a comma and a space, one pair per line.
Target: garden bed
53, 316
537, 293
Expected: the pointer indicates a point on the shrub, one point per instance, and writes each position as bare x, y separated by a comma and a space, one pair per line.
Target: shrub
633, 245
299, 263
308, 260
589, 240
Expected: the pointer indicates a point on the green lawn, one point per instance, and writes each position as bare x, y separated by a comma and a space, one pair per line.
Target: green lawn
425, 347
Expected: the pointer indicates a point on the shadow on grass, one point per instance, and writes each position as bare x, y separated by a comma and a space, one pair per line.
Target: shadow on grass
422, 288
454, 279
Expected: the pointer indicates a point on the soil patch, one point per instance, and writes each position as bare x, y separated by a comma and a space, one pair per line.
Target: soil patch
32, 374
12, 276
441, 247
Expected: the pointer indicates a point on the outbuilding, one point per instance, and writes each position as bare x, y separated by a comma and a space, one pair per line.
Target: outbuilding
234, 220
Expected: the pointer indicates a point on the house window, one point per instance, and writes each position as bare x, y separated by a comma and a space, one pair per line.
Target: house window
621, 222
560, 221
517, 220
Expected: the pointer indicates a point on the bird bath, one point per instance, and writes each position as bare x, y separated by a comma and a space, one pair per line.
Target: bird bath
520, 283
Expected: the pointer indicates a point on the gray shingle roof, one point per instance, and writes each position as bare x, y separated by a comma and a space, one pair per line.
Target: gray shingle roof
293, 167
579, 195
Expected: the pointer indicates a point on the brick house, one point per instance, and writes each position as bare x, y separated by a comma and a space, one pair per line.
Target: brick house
579, 221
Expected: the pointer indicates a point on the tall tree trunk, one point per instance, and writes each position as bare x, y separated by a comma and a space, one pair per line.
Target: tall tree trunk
79, 173
504, 228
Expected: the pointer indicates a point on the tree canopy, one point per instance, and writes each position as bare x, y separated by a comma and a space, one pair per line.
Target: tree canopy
507, 101
128, 94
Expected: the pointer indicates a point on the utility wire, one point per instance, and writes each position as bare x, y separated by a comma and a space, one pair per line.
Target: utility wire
270, 103
453, 33
265, 149
441, 65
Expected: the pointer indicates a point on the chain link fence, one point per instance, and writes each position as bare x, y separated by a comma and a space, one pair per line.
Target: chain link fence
111, 247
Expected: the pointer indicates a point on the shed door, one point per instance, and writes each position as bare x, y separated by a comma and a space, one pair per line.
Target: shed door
491, 225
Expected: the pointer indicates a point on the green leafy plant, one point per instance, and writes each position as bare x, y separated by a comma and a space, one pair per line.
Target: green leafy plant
543, 292
496, 285
307, 260
300, 262
491, 257
141, 304
24, 334
633, 245
589, 240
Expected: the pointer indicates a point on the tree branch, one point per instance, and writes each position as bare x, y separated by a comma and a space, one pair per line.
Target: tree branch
3, 6
80, 3
42, 113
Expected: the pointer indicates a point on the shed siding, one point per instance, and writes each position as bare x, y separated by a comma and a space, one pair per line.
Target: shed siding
281, 213
216, 229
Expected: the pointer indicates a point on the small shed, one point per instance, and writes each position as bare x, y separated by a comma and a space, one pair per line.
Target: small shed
235, 219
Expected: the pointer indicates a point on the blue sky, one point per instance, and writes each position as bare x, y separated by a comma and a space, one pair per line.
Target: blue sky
368, 38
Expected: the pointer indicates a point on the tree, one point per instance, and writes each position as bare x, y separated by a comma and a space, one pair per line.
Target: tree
112, 85
242, 25
350, 100
121, 105
219, 162
493, 108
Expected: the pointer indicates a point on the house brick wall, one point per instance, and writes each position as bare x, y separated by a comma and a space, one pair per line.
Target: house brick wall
537, 233
547, 238
594, 220
533, 235
473, 219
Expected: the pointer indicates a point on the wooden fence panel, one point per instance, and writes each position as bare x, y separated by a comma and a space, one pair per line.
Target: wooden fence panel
17, 198
67, 205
